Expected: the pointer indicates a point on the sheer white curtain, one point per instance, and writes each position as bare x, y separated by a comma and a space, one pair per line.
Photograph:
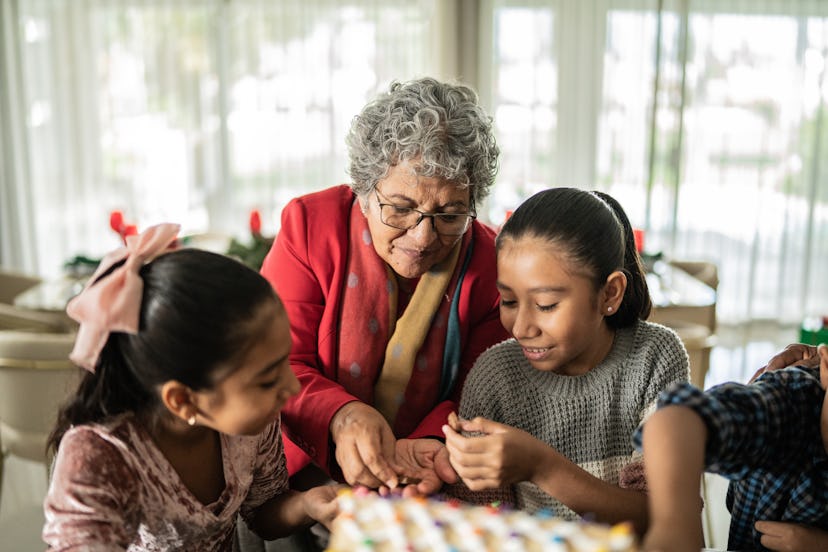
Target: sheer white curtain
706, 119
194, 111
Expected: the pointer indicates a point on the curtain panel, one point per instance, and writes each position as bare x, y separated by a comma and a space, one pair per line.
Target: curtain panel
704, 118
193, 111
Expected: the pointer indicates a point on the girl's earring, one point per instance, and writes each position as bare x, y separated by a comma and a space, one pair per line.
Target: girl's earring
191, 420
609, 309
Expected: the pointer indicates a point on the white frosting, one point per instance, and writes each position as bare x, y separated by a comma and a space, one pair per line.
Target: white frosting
368, 521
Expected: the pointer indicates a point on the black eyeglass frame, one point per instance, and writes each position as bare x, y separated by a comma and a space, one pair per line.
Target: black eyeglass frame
470, 216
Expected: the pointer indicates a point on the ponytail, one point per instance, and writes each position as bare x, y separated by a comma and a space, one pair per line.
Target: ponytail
111, 390
637, 303
196, 316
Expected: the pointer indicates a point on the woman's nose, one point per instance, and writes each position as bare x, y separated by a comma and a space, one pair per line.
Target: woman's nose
424, 233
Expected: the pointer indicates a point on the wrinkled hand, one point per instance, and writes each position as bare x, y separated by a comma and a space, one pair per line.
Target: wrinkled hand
795, 353
320, 503
503, 455
427, 462
364, 446
791, 537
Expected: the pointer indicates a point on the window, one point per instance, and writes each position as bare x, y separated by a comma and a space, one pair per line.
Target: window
712, 140
199, 111
195, 111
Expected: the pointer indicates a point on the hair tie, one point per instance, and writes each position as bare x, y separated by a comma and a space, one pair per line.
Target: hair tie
113, 304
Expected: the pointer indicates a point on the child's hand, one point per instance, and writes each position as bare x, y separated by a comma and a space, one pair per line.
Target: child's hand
454, 421
320, 503
791, 537
502, 455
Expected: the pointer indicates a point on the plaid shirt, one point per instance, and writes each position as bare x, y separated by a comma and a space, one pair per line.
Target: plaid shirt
765, 438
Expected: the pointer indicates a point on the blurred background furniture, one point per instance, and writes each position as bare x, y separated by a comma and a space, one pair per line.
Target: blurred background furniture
16, 318
13, 284
35, 378
18, 290
684, 299
42, 307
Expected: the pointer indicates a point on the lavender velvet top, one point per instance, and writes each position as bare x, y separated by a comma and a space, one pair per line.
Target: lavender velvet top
113, 489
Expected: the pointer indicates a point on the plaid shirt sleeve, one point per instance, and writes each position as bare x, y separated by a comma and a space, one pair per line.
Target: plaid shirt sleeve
765, 438
753, 426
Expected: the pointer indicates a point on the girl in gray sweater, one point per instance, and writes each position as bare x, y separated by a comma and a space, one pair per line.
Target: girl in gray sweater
547, 415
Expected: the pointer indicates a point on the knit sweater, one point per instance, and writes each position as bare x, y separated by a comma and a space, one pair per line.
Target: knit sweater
588, 418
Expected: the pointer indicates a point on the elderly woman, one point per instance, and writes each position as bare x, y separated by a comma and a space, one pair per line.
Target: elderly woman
389, 284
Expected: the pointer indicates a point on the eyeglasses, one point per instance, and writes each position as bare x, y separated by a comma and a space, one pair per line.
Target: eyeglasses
406, 218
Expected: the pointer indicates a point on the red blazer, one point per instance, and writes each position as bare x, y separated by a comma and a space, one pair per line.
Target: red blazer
306, 267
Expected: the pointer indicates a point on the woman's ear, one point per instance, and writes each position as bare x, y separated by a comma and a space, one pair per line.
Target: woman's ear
613, 292
179, 400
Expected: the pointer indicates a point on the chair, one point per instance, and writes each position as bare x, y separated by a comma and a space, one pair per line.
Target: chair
695, 323
708, 274
698, 341
705, 271
13, 284
35, 378
15, 318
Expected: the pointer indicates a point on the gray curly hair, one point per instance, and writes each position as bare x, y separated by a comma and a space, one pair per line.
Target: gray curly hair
441, 126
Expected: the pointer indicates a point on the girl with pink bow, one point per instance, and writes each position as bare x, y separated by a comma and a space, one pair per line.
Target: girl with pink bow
175, 428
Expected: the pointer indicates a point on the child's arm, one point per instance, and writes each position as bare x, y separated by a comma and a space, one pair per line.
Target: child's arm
292, 510
505, 455
673, 441
271, 509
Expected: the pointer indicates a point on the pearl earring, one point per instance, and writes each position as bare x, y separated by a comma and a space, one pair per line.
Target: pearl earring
191, 420
609, 309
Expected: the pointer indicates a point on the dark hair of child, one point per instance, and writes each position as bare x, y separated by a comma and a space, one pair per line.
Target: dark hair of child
197, 312
595, 234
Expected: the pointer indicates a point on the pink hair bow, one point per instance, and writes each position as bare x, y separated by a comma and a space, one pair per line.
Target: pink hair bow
113, 304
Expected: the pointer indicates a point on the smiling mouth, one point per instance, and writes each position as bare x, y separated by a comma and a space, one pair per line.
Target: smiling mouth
536, 353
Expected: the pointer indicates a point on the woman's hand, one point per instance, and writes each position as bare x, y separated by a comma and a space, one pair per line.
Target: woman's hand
425, 462
320, 503
501, 456
795, 353
364, 446
791, 537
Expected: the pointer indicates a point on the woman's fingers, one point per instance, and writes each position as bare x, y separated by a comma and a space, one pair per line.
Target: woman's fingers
376, 461
354, 469
364, 446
